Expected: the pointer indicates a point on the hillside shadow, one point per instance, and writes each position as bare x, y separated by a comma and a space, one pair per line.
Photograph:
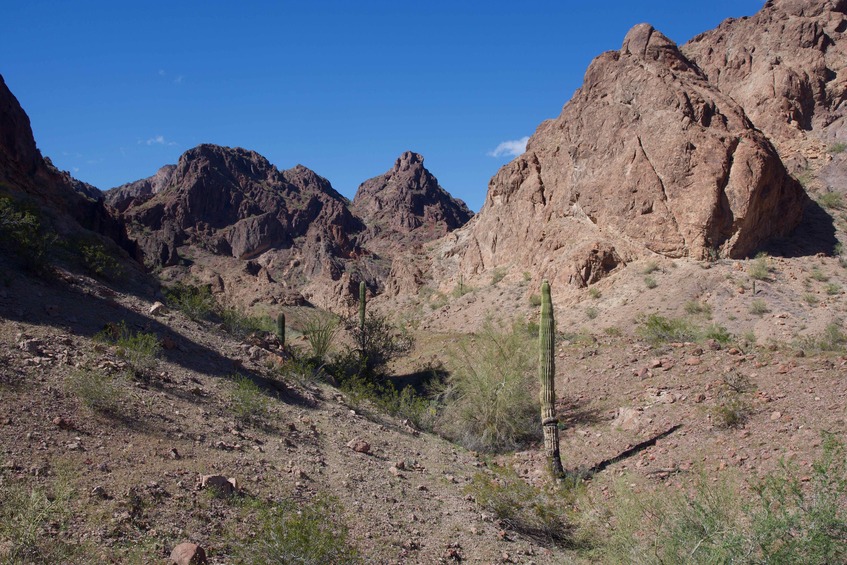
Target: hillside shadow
814, 235
81, 313
420, 381
573, 412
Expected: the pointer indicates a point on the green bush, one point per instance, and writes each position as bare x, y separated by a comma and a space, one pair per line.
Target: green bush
594, 293
717, 333
23, 235
785, 520
405, 404
240, 325
833, 288
138, 348
196, 302
310, 534
29, 521
96, 390
650, 267
832, 338
831, 200
498, 275
760, 269
657, 329
693, 307
490, 397
591, 312
837, 147
247, 401
819, 275
320, 329
759, 307
523, 508
535, 300
650, 282
97, 259
376, 345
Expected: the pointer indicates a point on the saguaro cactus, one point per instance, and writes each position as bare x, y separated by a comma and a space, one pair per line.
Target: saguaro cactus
362, 293
546, 372
280, 328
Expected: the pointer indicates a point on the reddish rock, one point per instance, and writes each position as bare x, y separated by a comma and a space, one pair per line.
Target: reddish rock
188, 553
647, 157
359, 446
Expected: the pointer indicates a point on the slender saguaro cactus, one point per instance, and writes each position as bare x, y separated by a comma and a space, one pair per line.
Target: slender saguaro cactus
280, 328
546, 372
362, 292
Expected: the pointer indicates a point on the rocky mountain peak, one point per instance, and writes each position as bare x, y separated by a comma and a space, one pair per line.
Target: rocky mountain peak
406, 205
645, 42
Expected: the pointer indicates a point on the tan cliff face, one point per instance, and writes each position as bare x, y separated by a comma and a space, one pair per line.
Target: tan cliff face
648, 157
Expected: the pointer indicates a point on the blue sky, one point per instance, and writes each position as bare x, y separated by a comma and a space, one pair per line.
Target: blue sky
114, 89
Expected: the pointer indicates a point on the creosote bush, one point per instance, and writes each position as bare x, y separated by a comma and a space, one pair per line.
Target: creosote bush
786, 519
285, 532
760, 269
96, 390
196, 302
320, 329
247, 401
490, 396
24, 235
140, 349
523, 508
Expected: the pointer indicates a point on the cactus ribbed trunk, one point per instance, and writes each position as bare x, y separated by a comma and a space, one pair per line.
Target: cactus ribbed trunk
280, 328
546, 372
362, 292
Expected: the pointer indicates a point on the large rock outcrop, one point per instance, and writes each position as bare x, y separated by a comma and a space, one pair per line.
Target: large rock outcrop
648, 157
25, 174
786, 65
234, 202
406, 206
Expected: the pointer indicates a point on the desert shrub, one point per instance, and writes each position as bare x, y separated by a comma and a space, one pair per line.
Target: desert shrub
759, 307
760, 268
96, 390
613, 331
405, 404
376, 345
247, 401
320, 329
594, 293
693, 307
819, 275
498, 275
811, 299
657, 329
30, 518
523, 508
591, 312
786, 519
650, 267
650, 282
99, 260
731, 413
308, 534
833, 288
237, 323
837, 147
490, 402
832, 338
831, 200
196, 302
140, 349
535, 300
24, 235
717, 333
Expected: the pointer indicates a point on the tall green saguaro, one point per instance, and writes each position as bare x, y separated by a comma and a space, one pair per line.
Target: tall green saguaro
547, 373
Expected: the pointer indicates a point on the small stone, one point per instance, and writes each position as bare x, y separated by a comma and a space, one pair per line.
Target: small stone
221, 484
395, 471
188, 554
168, 343
359, 446
776, 416
157, 308
692, 361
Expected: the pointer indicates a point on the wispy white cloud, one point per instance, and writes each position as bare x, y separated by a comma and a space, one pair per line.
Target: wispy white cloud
162, 72
512, 148
158, 140
178, 80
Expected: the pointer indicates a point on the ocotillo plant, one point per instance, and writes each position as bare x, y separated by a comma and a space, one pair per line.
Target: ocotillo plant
546, 372
280, 328
362, 292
